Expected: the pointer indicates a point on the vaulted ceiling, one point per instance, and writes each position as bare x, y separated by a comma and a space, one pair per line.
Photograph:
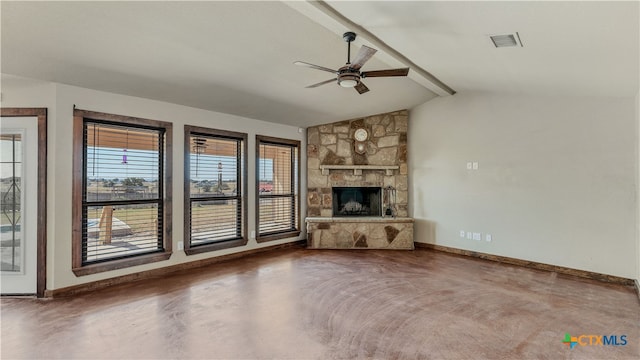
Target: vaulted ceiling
237, 57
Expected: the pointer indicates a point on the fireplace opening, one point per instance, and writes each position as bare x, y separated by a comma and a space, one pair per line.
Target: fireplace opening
357, 201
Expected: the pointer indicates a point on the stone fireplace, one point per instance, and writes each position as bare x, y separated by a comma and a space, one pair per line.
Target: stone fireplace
348, 175
357, 201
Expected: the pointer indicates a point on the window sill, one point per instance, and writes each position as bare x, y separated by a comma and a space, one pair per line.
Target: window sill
277, 236
216, 246
121, 264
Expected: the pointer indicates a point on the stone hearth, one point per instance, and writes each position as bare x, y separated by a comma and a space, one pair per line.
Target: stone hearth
360, 233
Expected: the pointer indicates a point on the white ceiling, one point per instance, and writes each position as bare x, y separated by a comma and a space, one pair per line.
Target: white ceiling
236, 57
569, 47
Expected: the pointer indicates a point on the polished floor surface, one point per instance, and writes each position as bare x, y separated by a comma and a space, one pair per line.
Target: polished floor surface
311, 304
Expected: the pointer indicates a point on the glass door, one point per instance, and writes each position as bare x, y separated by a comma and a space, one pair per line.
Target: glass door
18, 204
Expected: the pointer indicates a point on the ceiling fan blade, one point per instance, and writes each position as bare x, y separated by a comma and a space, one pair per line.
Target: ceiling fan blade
317, 67
364, 54
389, 72
361, 88
321, 83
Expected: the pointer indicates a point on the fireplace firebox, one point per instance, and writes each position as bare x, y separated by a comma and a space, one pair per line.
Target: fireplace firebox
357, 201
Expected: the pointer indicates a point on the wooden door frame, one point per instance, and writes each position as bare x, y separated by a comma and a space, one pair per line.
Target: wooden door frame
41, 114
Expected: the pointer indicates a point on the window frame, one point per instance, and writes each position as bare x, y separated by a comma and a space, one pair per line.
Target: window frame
295, 183
78, 188
189, 131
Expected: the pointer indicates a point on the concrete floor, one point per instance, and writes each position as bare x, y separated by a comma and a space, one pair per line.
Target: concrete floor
310, 304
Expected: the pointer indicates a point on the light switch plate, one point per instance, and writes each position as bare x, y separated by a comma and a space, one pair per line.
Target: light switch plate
469, 166
462, 233
477, 236
475, 165
488, 237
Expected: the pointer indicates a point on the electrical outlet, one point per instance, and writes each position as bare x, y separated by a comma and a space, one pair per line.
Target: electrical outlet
488, 237
462, 234
477, 236
253, 234
180, 245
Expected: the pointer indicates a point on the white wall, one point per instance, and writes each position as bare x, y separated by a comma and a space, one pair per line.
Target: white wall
60, 99
556, 180
638, 189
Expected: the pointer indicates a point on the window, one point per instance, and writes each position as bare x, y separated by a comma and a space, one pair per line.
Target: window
11, 178
277, 164
121, 192
215, 188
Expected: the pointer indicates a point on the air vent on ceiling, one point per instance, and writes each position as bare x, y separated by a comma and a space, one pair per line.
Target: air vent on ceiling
506, 40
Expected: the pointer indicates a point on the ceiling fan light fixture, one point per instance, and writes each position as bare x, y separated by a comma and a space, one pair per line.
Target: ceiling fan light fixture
348, 83
348, 80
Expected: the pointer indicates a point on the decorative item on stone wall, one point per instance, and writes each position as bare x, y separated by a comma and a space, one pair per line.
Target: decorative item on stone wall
361, 135
390, 197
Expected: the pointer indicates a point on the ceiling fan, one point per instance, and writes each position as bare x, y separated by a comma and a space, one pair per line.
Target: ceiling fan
350, 75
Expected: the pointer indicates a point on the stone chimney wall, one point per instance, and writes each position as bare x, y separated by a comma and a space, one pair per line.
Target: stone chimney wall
333, 144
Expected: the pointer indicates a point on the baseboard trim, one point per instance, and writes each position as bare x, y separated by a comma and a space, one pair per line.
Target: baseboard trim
532, 265
143, 275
